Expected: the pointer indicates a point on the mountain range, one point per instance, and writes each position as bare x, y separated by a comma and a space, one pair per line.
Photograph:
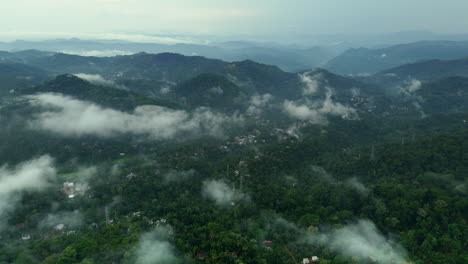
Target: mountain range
364, 60
168, 158
339, 57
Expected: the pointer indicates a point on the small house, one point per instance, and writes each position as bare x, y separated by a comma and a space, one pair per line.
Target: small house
59, 228
313, 259
267, 244
202, 256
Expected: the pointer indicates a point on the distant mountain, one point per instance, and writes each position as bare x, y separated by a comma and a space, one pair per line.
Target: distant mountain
334, 158
365, 97
60, 63
383, 96
15, 75
447, 95
345, 85
152, 74
363, 60
430, 70
261, 78
171, 68
150, 88
110, 97
174, 80
210, 90
179, 81
286, 57
174, 68
23, 56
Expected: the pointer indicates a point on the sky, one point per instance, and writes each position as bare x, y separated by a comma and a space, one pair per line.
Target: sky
183, 21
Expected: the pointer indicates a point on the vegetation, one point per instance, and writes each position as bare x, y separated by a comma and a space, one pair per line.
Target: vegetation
284, 186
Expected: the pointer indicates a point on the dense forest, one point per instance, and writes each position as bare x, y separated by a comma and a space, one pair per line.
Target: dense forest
230, 165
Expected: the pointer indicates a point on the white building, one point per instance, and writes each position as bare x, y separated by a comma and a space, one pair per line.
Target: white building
59, 227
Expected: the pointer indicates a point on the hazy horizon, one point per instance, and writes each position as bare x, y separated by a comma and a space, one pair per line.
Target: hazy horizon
209, 21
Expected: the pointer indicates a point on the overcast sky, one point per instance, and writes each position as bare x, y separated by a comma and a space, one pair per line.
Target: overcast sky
26, 19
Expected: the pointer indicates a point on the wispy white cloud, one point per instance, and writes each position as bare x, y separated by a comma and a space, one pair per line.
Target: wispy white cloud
335, 108
353, 182
220, 192
154, 248
414, 86
137, 38
71, 117
361, 239
175, 176
409, 91
317, 111
97, 53
258, 103
70, 220
33, 175
303, 112
97, 79
410, 87
312, 83
356, 184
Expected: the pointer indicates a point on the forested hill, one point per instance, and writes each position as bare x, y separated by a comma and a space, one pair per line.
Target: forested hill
14, 75
174, 159
76, 87
431, 70
364, 60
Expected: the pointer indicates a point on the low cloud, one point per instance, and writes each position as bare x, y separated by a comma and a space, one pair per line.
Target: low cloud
33, 175
83, 174
80, 180
303, 112
97, 79
154, 248
361, 239
353, 183
139, 38
216, 90
294, 131
116, 169
317, 111
312, 83
358, 239
221, 193
322, 173
70, 220
409, 91
419, 108
71, 117
97, 53
336, 109
175, 176
357, 185
355, 92
258, 103
279, 221
413, 86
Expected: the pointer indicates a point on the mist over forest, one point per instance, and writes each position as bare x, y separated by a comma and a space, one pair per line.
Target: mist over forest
206, 132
